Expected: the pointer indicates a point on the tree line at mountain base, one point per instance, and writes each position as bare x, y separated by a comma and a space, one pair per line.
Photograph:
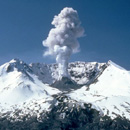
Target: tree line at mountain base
67, 116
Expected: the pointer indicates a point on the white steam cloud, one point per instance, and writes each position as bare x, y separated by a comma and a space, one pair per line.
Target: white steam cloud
62, 40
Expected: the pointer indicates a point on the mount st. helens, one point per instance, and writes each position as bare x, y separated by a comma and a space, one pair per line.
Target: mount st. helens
95, 92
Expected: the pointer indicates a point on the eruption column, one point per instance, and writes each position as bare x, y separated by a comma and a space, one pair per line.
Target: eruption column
62, 40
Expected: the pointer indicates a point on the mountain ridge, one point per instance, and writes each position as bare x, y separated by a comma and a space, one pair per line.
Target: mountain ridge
29, 91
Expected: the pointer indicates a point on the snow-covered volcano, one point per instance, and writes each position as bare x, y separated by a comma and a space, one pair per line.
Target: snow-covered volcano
20, 82
34, 90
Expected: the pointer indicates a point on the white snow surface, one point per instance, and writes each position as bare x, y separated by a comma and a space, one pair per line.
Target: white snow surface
18, 84
28, 87
110, 93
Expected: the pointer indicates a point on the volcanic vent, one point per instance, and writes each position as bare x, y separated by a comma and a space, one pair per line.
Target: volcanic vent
65, 84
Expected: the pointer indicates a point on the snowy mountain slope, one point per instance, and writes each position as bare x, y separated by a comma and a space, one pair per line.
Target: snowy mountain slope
18, 84
32, 93
109, 93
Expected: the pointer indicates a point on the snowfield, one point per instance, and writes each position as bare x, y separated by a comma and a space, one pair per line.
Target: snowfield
18, 84
110, 92
28, 88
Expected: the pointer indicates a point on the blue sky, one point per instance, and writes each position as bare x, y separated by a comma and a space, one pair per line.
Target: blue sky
24, 24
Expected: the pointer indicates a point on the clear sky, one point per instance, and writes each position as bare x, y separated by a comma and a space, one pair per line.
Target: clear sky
24, 24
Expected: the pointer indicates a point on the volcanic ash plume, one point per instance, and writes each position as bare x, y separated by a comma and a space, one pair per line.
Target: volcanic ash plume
62, 40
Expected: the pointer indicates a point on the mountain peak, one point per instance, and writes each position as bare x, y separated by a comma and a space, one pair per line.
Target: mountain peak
115, 65
17, 64
15, 60
90, 82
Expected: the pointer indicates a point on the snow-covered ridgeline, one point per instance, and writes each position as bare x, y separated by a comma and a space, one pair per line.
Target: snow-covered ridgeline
80, 72
105, 85
18, 84
110, 92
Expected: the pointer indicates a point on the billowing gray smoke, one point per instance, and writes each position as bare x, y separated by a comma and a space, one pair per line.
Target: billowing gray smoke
62, 40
